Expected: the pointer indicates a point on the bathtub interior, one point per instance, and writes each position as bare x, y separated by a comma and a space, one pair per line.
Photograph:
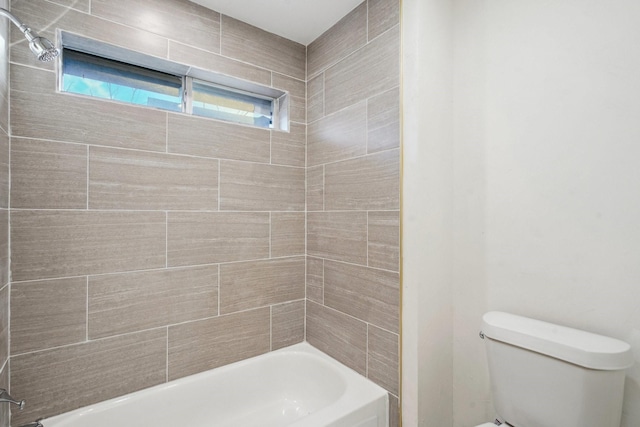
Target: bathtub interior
295, 386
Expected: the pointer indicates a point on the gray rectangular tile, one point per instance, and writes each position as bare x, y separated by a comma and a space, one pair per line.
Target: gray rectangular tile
338, 137
315, 188
383, 15
4, 324
383, 359
289, 148
199, 346
81, 5
50, 244
210, 138
103, 122
384, 240
371, 70
297, 96
340, 236
190, 55
366, 183
48, 175
4, 170
41, 14
129, 302
315, 280
4, 96
287, 234
287, 324
137, 180
87, 373
253, 284
179, 20
383, 119
4, 73
368, 294
394, 411
4, 247
4, 107
48, 314
315, 98
340, 336
205, 238
250, 44
257, 187
349, 34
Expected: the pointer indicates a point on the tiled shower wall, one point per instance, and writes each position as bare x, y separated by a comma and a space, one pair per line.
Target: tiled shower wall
353, 168
4, 213
148, 245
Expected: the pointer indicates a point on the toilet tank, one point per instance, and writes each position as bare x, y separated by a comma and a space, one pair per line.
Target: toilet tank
546, 375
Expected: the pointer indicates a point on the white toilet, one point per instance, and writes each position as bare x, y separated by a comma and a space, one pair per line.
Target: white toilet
545, 375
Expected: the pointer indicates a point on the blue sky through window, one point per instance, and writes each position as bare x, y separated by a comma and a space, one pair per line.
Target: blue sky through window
118, 92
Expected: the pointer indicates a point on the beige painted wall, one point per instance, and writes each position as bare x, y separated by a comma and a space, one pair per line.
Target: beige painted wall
547, 177
427, 212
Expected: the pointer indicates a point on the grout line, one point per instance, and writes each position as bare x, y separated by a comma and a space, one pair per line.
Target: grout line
157, 328
270, 328
156, 269
366, 126
362, 156
270, 236
324, 103
166, 371
337, 61
367, 23
323, 187
354, 317
366, 369
367, 99
166, 239
87, 313
140, 150
325, 258
88, 174
271, 147
166, 134
219, 288
194, 211
367, 249
322, 289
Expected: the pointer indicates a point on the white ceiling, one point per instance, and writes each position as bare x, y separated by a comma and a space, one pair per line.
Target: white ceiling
299, 20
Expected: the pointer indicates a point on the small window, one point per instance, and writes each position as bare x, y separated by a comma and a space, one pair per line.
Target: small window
220, 103
104, 78
99, 70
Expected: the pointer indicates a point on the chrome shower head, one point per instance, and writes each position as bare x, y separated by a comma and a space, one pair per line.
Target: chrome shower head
40, 46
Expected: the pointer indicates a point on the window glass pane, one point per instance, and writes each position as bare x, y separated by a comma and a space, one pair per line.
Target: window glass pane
219, 103
103, 78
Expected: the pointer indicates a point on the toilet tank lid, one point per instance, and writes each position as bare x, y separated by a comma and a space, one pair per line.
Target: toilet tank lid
572, 345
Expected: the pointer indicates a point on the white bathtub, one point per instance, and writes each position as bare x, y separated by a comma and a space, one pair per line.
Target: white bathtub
295, 386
